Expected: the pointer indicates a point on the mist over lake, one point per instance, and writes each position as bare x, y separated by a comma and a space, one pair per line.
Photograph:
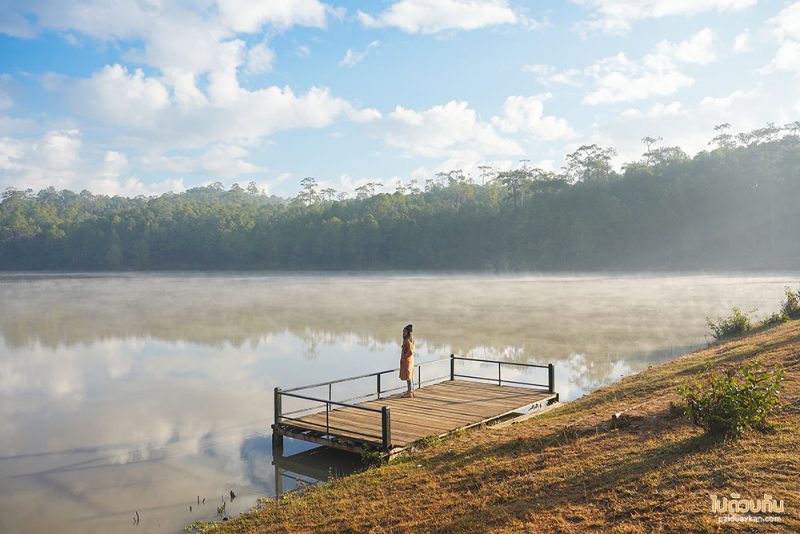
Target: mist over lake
140, 392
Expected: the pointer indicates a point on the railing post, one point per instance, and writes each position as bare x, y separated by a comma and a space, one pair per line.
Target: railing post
499, 374
551, 378
277, 439
386, 428
452, 367
419, 376
379, 385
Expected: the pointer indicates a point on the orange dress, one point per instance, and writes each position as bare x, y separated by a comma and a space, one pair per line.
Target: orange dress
407, 360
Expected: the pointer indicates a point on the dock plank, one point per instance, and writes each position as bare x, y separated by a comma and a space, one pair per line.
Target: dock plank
436, 409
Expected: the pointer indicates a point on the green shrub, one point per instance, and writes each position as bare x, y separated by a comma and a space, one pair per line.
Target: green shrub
733, 402
373, 458
791, 308
775, 318
736, 324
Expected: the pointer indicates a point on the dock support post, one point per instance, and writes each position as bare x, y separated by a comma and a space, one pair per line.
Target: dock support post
551, 378
277, 439
452, 367
278, 483
277, 454
386, 428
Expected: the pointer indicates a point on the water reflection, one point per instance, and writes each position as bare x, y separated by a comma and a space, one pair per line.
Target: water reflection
310, 466
125, 393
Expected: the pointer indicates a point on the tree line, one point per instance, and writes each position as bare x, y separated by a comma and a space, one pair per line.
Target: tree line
733, 206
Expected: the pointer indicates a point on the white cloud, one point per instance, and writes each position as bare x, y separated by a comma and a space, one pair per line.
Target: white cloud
227, 113
167, 47
743, 42
174, 36
132, 19
226, 161
184, 88
619, 79
785, 28
351, 58
190, 37
455, 133
433, 16
96, 18
698, 49
526, 115
112, 93
114, 164
787, 58
363, 115
549, 75
346, 184
248, 16
133, 186
616, 16
56, 159
55, 153
657, 110
725, 102
260, 59
786, 24
464, 160
445, 130
470, 162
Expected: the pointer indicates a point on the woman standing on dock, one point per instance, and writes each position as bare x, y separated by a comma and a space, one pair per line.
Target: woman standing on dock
407, 360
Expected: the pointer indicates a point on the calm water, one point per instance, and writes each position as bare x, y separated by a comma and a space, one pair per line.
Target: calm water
125, 393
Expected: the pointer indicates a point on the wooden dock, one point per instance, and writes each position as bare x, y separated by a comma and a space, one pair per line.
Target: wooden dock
387, 422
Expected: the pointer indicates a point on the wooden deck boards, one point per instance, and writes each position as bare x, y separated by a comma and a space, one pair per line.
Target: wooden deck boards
434, 410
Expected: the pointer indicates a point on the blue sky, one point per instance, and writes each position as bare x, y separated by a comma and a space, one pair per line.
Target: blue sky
145, 96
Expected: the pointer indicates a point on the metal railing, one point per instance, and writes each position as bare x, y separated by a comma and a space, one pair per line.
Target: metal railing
386, 433
500, 380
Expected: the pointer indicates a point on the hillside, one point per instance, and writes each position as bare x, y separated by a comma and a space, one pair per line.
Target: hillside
572, 470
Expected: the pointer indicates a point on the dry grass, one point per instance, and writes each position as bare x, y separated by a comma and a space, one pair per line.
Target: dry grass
571, 470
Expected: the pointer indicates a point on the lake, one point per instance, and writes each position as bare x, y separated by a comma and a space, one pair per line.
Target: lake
125, 393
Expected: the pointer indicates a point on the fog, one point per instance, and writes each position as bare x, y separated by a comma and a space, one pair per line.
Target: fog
130, 392
535, 314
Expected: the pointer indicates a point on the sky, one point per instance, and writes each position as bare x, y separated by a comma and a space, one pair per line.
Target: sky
141, 97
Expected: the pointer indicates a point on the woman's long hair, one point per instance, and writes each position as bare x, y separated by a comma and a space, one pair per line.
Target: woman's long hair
410, 329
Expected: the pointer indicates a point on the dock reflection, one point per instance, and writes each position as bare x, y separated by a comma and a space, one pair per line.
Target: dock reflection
308, 467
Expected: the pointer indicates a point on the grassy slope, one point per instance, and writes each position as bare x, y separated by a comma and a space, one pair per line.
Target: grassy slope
569, 470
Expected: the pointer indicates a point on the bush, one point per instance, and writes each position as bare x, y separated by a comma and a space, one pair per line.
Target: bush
373, 458
775, 318
791, 308
736, 401
736, 324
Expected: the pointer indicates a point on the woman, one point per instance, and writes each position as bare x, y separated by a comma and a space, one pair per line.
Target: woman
407, 360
